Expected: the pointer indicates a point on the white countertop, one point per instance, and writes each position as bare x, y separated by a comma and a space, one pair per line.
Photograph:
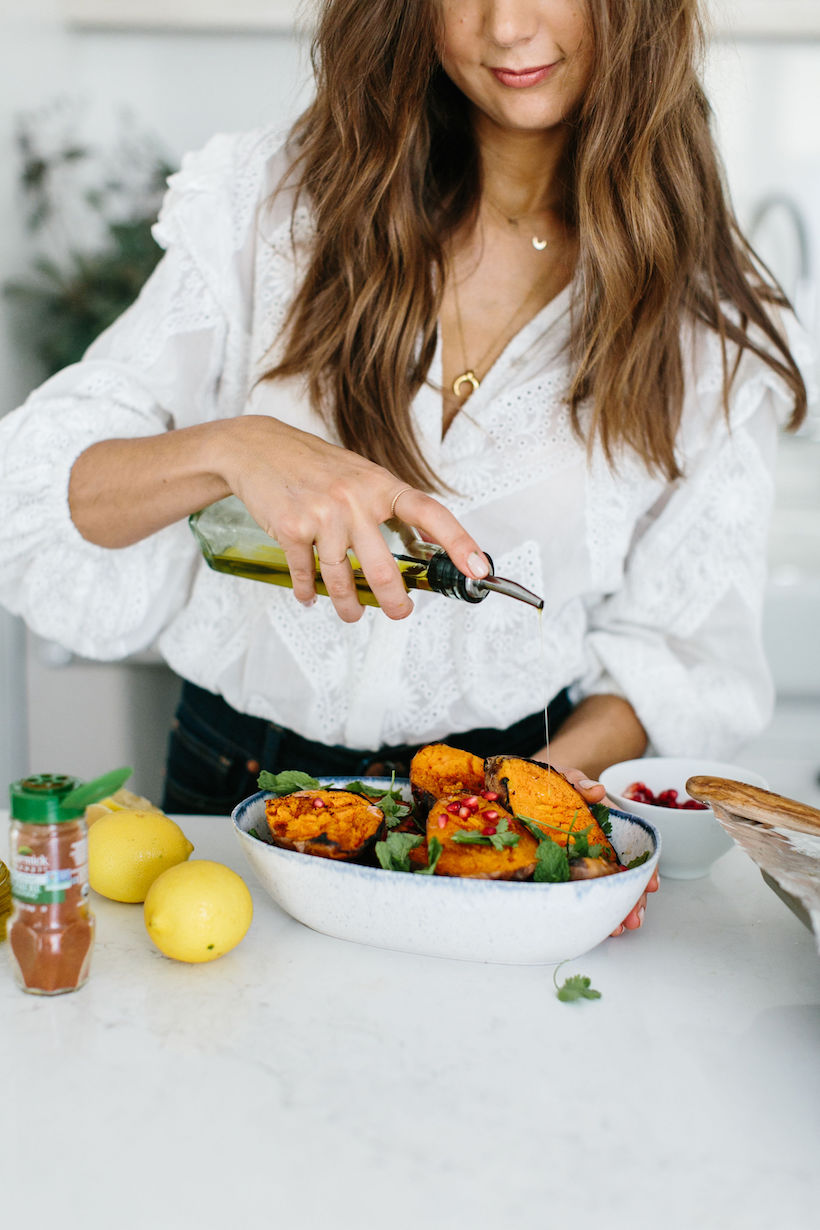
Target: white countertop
304, 1083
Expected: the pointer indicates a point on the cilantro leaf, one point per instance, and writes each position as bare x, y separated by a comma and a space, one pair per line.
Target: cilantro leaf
531, 827
470, 837
577, 987
360, 787
286, 782
394, 852
580, 842
498, 840
390, 802
551, 862
639, 861
434, 849
601, 813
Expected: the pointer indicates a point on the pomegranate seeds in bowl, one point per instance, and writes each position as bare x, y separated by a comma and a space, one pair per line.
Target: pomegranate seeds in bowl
639, 792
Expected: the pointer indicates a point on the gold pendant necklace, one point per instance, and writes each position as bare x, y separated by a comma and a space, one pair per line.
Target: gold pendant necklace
467, 382
538, 243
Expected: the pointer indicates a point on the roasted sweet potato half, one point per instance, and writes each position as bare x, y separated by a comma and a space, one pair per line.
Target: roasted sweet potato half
328, 823
438, 770
477, 857
542, 794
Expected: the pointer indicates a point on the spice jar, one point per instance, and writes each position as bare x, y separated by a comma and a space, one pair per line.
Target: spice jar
51, 929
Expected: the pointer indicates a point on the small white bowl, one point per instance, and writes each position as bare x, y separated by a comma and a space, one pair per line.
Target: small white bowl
442, 916
692, 840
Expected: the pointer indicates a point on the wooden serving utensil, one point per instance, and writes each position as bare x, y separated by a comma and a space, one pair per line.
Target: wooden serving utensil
780, 834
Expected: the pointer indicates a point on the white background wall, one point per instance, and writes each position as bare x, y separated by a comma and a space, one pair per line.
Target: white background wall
183, 87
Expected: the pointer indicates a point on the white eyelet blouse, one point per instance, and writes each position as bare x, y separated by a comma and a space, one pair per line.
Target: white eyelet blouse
652, 590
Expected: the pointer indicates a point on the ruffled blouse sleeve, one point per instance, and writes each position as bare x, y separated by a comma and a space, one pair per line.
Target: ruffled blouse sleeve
178, 356
679, 633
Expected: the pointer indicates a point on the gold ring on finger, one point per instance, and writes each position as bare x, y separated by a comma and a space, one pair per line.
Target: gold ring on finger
331, 563
403, 491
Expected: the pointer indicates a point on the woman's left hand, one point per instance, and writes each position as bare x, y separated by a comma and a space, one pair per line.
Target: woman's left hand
594, 792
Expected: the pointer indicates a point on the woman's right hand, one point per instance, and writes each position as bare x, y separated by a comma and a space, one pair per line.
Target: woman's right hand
302, 490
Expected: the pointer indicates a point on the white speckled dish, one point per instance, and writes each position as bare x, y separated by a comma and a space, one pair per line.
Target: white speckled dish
441, 916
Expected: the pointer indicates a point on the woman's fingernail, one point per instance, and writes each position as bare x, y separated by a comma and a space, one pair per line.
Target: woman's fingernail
478, 566
641, 913
586, 783
307, 602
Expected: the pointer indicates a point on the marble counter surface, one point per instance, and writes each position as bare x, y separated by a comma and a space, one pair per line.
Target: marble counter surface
304, 1083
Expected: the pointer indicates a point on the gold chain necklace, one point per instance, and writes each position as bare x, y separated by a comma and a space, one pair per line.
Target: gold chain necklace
537, 242
466, 382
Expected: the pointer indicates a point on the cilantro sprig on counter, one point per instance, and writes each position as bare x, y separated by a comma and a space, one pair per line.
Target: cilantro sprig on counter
577, 986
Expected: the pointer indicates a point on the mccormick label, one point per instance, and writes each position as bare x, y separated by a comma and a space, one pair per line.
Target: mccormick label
34, 879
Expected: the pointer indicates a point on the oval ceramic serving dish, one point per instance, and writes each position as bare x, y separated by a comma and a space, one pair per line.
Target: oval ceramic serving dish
441, 916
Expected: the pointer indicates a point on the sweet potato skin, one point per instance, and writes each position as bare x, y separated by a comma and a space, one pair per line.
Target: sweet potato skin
542, 794
345, 827
437, 770
479, 862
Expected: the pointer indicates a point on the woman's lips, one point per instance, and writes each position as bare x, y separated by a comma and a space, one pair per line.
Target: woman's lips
520, 79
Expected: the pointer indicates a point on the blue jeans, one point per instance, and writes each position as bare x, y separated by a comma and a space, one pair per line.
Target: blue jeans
215, 753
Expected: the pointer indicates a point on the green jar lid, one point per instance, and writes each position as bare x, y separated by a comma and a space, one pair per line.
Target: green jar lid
39, 799
52, 798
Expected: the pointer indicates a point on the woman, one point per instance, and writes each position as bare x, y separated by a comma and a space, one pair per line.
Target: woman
491, 285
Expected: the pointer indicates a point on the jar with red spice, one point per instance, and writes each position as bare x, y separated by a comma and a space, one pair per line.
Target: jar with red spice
51, 929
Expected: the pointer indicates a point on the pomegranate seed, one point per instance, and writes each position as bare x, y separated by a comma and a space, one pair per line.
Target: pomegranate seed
465, 813
490, 816
489, 830
490, 795
442, 822
472, 802
318, 803
453, 808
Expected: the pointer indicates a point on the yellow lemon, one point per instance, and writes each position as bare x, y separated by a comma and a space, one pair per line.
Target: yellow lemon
127, 850
197, 911
122, 800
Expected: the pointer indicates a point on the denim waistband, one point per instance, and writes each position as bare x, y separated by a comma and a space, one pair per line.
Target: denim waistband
241, 735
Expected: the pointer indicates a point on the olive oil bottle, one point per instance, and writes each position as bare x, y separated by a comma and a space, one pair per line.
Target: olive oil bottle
232, 542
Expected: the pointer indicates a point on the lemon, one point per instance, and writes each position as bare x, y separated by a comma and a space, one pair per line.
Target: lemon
122, 800
198, 911
127, 850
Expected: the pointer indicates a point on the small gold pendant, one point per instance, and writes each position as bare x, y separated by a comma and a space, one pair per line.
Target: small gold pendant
469, 378
539, 244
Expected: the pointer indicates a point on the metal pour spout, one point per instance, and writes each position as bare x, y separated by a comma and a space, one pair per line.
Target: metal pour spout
499, 585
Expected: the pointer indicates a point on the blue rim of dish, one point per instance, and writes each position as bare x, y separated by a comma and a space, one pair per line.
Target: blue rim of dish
345, 868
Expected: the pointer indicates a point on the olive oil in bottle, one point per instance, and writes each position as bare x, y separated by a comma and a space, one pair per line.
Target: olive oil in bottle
233, 543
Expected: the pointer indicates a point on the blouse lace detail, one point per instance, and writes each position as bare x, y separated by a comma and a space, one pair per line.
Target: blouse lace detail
652, 591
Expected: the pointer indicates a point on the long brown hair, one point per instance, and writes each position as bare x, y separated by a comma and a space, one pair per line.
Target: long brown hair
386, 157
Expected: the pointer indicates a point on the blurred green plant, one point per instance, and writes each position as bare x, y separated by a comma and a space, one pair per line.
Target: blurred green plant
91, 213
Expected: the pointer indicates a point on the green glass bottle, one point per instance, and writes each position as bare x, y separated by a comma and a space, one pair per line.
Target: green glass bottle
232, 542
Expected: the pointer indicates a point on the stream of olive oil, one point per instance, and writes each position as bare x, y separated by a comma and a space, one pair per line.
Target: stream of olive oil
543, 681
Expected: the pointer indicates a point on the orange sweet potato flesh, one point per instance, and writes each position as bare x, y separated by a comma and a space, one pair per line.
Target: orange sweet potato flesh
479, 862
438, 770
542, 794
345, 827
